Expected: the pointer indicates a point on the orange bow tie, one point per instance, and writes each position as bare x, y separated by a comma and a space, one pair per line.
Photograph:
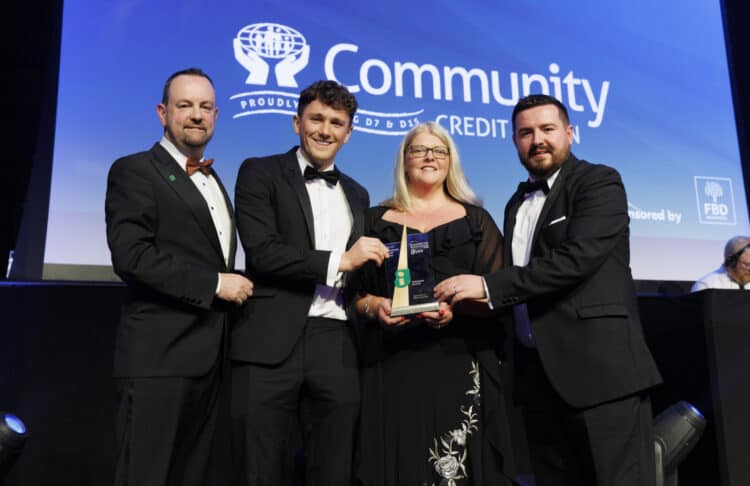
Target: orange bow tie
195, 165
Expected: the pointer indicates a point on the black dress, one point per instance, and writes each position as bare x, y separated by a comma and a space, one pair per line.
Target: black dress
433, 409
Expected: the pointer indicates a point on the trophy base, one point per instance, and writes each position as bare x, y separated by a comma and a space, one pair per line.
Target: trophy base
414, 309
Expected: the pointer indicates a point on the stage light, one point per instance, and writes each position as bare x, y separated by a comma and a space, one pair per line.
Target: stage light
676, 431
12, 439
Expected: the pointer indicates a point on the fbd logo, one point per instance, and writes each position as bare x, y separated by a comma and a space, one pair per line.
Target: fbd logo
259, 46
715, 199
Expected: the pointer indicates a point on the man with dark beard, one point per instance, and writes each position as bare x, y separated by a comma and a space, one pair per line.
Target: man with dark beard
581, 364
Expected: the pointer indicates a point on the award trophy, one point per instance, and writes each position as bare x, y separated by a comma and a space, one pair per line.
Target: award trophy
409, 272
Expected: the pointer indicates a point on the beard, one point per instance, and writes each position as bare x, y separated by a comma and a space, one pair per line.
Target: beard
545, 168
196, 140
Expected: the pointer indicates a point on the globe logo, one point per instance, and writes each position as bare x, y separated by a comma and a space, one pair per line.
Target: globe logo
271, 41
266, 47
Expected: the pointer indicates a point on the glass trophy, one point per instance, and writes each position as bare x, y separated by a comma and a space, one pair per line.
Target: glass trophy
409, 273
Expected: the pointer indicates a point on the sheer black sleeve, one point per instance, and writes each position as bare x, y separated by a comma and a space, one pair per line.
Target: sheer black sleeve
368, 279
489, 256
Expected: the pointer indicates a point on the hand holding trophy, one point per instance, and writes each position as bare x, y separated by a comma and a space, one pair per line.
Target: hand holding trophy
408, 270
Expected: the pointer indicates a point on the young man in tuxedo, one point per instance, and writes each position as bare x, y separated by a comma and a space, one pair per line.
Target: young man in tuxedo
171, 233
301, 223
582, 367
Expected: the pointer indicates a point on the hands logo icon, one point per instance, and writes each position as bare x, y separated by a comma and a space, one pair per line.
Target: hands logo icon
257, 43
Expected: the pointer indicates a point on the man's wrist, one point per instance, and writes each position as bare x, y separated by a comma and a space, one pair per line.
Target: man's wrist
487, 293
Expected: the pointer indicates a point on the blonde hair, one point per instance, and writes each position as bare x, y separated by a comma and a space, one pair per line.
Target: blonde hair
456, 186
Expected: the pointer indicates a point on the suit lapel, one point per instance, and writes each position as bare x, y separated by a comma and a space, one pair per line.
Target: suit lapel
297, 182
511, 210
295, 179
233, 228
552, 197
357, 208
179, 181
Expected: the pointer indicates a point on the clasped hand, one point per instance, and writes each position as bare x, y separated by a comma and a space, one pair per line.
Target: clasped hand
235, 288
460, 287
434, 319
366, 248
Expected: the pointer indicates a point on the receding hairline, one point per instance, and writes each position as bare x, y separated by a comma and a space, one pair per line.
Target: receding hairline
197, 72
735, 245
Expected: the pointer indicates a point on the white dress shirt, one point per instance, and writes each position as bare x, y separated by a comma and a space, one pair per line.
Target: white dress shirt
332, 221
211, 192
718, 279
523, 234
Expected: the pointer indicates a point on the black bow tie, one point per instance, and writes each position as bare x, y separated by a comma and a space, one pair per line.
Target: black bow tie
526, 187
330, 176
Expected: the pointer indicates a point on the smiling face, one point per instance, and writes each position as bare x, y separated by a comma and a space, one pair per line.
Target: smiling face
424, 168
322, 131
189, 114
542, 139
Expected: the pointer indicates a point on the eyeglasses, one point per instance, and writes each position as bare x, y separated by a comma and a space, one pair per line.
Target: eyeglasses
421, 151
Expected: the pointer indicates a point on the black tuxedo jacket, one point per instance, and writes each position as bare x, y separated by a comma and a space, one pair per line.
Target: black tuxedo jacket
165, 247
578, 288
275, 222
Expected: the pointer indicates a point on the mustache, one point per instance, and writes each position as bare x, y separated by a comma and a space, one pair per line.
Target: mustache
537, 149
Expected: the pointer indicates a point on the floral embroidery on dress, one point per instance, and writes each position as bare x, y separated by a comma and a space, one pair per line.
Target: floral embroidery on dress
449, 456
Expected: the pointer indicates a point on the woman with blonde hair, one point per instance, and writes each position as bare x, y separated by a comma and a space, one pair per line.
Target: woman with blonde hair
433, 408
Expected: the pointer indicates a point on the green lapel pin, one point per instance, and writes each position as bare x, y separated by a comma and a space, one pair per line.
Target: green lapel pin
172, 178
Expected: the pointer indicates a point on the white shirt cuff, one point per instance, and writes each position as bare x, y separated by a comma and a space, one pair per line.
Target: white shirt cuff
333, 276
218, 283
487, 293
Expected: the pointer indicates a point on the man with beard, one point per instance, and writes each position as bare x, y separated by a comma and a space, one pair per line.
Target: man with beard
581, 365
172, 237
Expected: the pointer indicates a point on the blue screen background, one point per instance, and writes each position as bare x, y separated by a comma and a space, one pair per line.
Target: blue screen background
666, 123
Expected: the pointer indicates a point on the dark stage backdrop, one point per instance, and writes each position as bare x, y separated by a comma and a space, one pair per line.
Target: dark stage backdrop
56, 367
647, 84
56, 375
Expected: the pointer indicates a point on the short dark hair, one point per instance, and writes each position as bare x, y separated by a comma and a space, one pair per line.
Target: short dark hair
192, 71
535, 100
329, 93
